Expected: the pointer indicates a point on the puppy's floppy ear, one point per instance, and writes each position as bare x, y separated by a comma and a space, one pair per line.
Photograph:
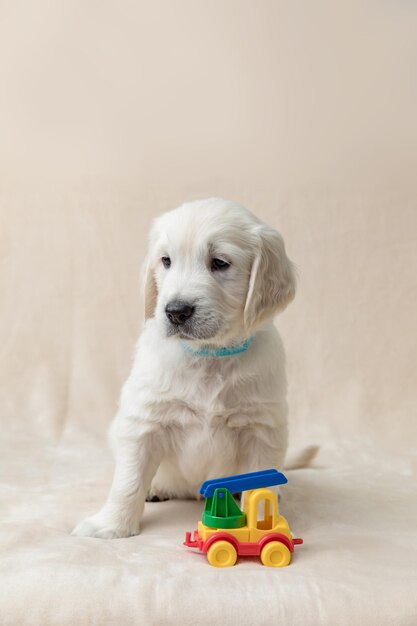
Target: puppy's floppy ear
272, 280
150, 290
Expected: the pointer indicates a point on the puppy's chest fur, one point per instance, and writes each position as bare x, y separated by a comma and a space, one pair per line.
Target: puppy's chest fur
175, 389
203, 414
206, 409
209, 394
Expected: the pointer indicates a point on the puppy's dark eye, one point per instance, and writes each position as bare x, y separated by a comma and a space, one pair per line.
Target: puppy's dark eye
166, 261
219, 265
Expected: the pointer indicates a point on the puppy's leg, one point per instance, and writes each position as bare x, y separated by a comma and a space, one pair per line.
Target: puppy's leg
137, 459
262, 448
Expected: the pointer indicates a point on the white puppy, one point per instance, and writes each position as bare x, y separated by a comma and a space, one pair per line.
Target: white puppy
206, 396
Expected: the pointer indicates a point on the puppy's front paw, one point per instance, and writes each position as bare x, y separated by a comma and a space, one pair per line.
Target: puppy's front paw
103, 528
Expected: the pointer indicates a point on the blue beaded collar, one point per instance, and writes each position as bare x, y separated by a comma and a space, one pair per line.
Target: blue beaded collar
218, 352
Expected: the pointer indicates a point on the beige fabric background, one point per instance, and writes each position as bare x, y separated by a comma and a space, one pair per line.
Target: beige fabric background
111, 112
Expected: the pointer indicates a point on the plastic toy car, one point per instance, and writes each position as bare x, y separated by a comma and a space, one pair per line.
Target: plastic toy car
226, 532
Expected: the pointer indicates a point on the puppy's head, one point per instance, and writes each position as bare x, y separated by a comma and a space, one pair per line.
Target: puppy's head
215, 272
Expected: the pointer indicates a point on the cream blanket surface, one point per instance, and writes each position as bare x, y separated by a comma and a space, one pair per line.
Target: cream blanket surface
357, 566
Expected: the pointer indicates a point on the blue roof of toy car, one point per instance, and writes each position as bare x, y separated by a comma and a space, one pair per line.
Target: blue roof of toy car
244, 482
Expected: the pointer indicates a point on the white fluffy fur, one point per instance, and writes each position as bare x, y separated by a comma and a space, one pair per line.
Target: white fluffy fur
184, 418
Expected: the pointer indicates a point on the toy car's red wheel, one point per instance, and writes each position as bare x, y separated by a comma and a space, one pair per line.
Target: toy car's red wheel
275, 554
222, 554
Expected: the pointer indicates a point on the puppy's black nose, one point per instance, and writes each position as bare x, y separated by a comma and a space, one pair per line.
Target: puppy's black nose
178, 312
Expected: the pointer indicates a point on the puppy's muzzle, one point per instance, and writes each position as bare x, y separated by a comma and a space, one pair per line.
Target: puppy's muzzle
178, 312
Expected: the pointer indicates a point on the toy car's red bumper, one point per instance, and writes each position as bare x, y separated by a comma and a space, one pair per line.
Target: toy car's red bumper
194, 541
